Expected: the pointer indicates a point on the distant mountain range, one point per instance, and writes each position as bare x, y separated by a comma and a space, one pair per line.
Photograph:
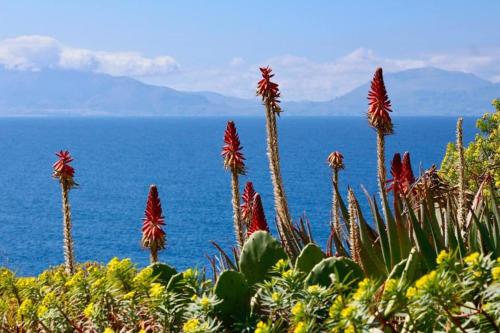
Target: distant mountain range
415, 92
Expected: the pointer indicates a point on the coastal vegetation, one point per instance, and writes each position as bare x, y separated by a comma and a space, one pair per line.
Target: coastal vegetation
424, 258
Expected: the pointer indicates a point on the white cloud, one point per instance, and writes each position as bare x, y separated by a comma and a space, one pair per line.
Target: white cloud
303, 79
299, 78
38, 52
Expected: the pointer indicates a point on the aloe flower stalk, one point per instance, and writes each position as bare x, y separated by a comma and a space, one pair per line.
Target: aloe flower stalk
153, 236
235, 162
461, 176
380, 120
65, 173
336, 162
354, 237
269, 91
247, 205
258, 221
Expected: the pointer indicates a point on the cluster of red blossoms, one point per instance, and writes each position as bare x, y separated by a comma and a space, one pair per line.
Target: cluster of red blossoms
269, 90
231, 152
402, 175
62, 170
153, 235
252, 211
247, 205
379, 105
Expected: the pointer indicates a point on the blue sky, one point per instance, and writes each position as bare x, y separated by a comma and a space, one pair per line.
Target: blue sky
319, 49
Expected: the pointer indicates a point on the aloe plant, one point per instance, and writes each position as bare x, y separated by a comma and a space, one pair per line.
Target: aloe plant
270, 94
429, 224
336, 162
380, 120
234, 161
64, 172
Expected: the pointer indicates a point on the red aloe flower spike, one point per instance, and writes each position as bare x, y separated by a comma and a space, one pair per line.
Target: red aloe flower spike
259, 221
396, 183
269, 90
153, 236
231, 152
63, 170
407, 173
246, 206
379, 105
336, 160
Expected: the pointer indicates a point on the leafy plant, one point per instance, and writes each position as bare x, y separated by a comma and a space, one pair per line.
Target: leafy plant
482, 155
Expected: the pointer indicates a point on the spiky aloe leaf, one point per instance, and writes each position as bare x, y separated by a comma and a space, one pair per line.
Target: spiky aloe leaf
494, 205
454, 239
431, 221
423, 245
382, 231
486, 242
310, 256
343, 207
339, 247
391, 231
402, 228
371, 254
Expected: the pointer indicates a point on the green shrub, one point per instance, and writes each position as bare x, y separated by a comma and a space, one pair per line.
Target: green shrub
482, 156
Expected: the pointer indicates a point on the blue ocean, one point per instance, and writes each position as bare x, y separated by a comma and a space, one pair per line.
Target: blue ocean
116, 159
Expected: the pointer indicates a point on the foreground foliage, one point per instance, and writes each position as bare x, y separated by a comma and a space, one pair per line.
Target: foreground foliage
458, 295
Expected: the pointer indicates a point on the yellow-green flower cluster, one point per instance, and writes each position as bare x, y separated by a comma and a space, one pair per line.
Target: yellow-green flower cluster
472, 259
288, 275
156, 290
281, 265
495, 273
300, 327
262, 328
315, 290
364, 290
194, 325
298, 311
423, 283
144, 278
443, 257
336, 307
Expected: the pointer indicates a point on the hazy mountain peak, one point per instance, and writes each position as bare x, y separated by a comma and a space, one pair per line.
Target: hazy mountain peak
421, 91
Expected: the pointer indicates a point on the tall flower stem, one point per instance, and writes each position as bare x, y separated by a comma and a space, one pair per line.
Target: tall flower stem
64, 172
382, 177
281, 205
336, 162
461, 176
69, 260
234, 161
335, 204
238, 223
354, 240
270, 97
